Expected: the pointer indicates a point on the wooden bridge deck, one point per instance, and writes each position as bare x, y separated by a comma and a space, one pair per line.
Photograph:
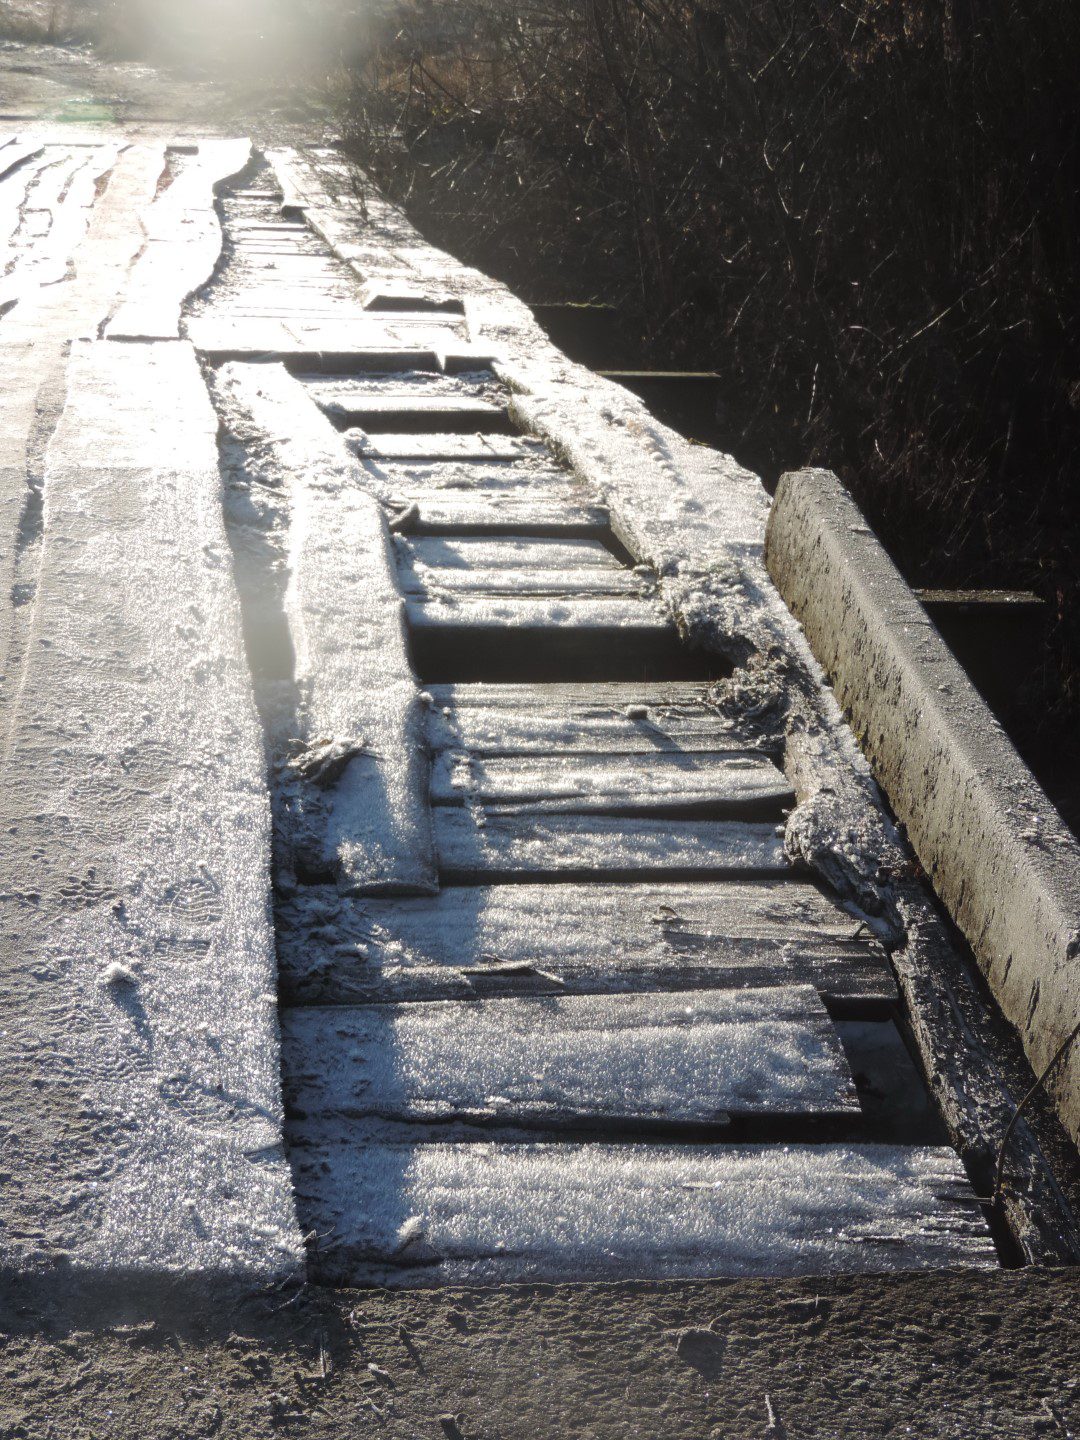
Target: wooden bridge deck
471, 678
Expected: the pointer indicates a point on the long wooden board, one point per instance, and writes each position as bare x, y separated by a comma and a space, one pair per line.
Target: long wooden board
183, 241
362, 711
490, 846
432, 1214
437, 445
136, 954
678, 1058
631, 617
512, 553
728, 783
634, 718
576, 939
460, 585
495, 511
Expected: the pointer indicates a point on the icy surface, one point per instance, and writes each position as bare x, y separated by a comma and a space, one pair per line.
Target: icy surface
484, 1213
363, 748
679, 1057
141, 1122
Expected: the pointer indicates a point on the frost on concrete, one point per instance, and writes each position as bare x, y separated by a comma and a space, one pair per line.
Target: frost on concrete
139, 1089
682, 1057
483, 1213
357, 779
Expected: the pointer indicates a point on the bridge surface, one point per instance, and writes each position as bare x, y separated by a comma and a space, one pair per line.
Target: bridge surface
431, 852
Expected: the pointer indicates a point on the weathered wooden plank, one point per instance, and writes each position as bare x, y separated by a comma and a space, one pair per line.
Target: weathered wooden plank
678, 1058
433, 1214
721, 783
404, 413
136, 953
410, 385
433, 583
576, 939
483, 553
364, 770
55, 214
443, 511
633, 718
443, 445
183, 241
629, 617
222, 335
490, 846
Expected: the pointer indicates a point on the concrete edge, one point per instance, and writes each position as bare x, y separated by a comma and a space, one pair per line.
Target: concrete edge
997, 852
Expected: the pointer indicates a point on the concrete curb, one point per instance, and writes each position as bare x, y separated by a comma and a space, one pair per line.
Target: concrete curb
998, 853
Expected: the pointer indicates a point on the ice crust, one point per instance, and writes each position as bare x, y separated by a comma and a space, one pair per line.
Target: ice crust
687, 1057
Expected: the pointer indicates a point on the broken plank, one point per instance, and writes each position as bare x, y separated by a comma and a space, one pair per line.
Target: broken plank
136, 953
183, 241
729, 783
491, 846
364, 769
434, 1214
630, 718
672, 1058
473, 940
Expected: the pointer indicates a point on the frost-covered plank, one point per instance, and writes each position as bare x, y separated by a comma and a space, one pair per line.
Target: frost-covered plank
576, 938
693, 1058
299, 338
512, 553
363, 718
434, 446
715, 783
183, 241
457, 585
489, 846
141, 1112
53, 218
399, 412
427, 510
485, 1213
629, 617
634, 718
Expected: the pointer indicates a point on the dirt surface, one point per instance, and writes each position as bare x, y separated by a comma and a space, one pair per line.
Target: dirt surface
60, 86
942, 1355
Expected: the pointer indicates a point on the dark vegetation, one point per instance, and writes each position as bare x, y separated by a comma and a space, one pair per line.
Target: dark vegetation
864, 216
